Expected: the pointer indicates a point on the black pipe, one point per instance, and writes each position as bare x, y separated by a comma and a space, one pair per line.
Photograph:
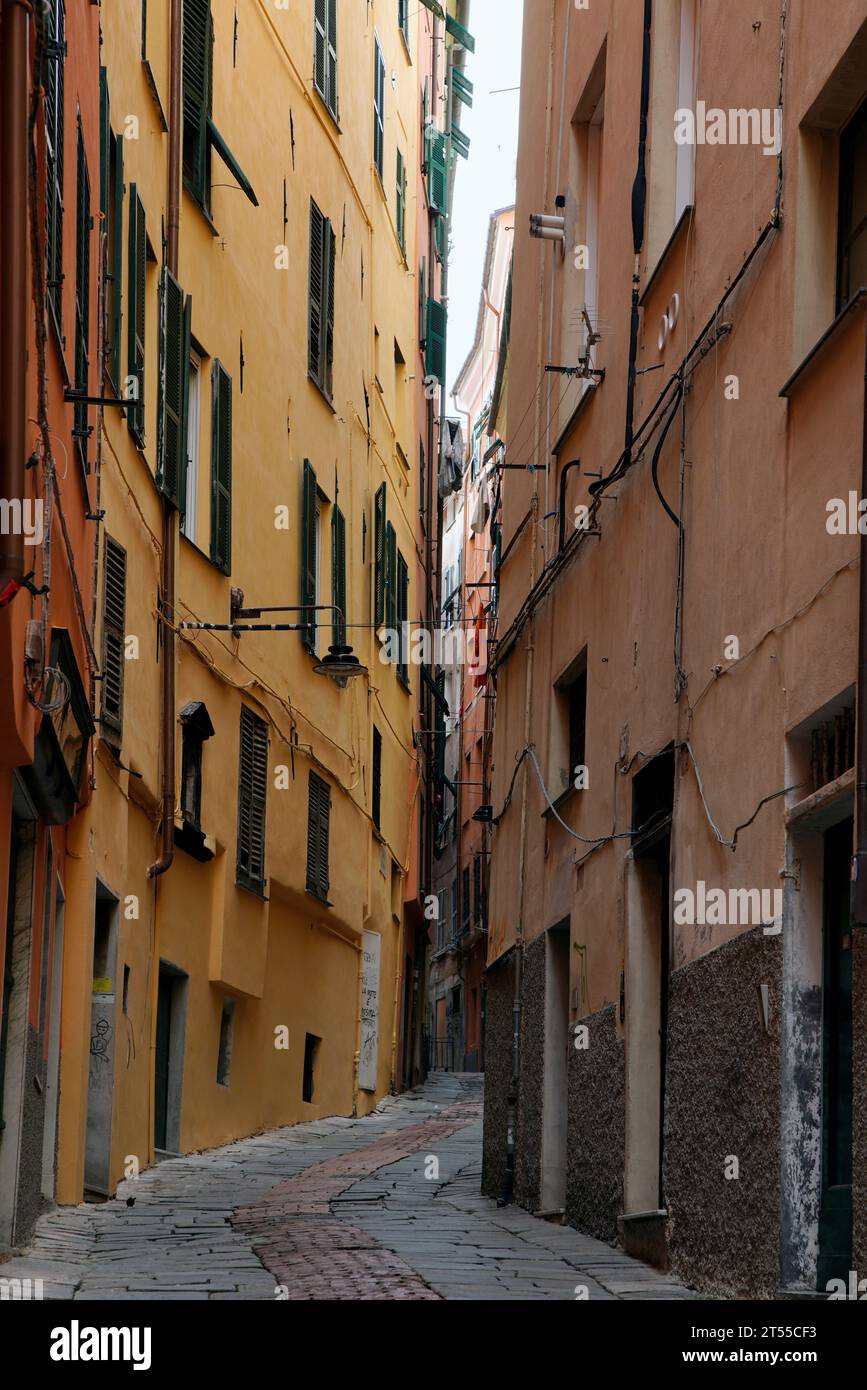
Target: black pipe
573, 463
639, 203
859, 874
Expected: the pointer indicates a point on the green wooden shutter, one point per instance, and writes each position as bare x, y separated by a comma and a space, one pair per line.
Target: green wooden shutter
137, 277
391, 577
403, 617
252, 794
82, 301
325, 52
105, 141
309, 540
197, 79
329, 260
113, 636
435, 351
174, 380
422, 301
221, 468
437, 183
117, 267
338, 574
315, 287
318, 824
376, 780
55, 58
380, 575
379, 110
401, 201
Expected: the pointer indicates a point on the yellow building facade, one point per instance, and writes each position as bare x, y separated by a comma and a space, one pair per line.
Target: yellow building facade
257, 423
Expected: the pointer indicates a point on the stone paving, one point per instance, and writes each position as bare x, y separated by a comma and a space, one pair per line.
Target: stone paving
385, 1207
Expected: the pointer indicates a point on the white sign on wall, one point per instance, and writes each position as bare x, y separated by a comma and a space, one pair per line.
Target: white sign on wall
369, 1010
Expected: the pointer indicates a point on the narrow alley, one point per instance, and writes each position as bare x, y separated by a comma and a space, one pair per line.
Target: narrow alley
384, 1207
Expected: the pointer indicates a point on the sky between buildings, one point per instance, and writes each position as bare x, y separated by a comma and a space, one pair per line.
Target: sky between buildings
487, 181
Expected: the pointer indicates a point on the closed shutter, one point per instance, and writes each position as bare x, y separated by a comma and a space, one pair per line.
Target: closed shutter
329, 263
113, 627
437, 183
325, 52
137, 272
174, 381
390, 577
402, 617
309, 546
435, 349
338, 575
197, 78
376, 798
379, 111
318, 822
465, 906
401, 201
82, 301
477, 888
114, 328
252, 790
221, 468
422, 303
380, 572
55, 57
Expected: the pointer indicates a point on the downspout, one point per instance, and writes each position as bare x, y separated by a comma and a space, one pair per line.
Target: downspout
13, 320
639, 201
859, 867
170, 522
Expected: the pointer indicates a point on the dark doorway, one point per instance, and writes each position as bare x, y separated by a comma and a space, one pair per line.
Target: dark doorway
835, 1213
163, 1056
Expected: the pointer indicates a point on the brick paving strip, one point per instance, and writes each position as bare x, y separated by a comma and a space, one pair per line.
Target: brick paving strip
314, 1254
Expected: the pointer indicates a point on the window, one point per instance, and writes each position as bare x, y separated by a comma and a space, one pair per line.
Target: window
454, 910
401, 201
380, 575
111, 203
577, 721
376, 811
221, 468
310, 558
466, 904
318, 822
390, 578
136, 295
403, 20
568, 727
852, 239
224, 1055
325, 52
113, 633
311, 1047
196, 728
422, 481
403, 618
320, 353
379, 110
435, 340
338, 576
194, 408
422, 302
437, 182
173, 390
252, 788
54, 66
81, 430
200, 133
477, 890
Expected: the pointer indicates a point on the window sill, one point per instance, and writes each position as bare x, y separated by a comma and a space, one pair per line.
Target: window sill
203, 211
317, 898
559, 801
255, 892
194, 842
664, 254
858, 299
404, 681
405, 41
332, 115
329, 401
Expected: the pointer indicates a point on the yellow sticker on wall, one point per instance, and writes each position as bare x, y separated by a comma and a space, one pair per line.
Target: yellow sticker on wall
102, 985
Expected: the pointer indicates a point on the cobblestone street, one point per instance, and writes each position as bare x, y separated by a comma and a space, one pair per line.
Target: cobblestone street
333, 1209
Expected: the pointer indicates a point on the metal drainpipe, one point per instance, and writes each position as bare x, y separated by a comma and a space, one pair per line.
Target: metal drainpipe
170, 520
13, 321
859, 874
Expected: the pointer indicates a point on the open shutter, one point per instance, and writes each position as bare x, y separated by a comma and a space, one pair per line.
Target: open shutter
338, 574
252, 791
117, 268
113, 626
197, 68
391, 577
308, 556
316, 282
137, 272
221, 468
325, 52
174, 386
401, 201
376, 779
402, 617
329, 262
379, 556
422, 303
332, 58
82, 300
379, 110
55, 57
437, 184
435, 351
